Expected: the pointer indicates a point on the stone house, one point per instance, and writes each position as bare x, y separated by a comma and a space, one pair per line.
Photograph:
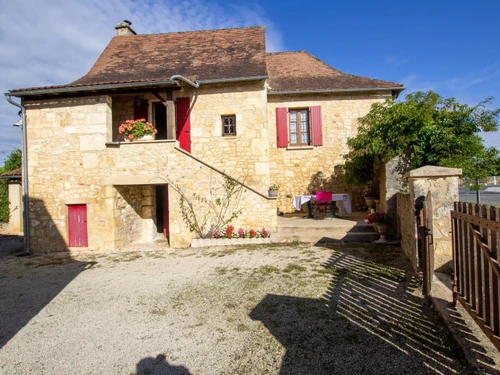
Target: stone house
222, 106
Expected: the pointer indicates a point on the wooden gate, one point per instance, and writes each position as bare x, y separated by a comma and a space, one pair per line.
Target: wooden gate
476, 257
426, 244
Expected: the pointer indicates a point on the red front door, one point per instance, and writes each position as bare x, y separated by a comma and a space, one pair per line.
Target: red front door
77, 224
183, 123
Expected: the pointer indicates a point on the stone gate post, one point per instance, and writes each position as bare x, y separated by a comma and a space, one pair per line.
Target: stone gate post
443, 184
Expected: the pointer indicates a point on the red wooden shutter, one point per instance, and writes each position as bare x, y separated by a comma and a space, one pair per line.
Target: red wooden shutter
281, 127
141, 109
183, 123
316, 126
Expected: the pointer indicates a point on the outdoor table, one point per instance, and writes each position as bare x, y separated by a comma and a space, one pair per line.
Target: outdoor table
343, 199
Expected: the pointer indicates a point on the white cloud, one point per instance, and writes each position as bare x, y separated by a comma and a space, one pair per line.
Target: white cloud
56, 42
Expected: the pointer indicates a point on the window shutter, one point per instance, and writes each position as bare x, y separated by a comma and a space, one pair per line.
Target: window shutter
316, 126
281, 127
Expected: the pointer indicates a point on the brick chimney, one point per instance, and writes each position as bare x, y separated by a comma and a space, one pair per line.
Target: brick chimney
123, 28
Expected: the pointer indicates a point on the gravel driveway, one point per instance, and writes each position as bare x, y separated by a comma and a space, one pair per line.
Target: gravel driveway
294, 309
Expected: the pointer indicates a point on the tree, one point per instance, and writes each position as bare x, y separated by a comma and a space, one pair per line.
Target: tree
14, 161
426, 129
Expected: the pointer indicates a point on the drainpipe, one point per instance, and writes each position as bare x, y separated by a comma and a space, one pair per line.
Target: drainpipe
26, 227
177, 76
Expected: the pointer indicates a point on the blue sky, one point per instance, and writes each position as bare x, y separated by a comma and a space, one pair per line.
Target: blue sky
449, 46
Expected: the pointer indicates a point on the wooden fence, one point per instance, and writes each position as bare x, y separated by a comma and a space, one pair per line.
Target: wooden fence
476, 257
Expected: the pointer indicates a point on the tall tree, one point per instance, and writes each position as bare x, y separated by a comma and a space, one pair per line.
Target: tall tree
427, 130
13, 161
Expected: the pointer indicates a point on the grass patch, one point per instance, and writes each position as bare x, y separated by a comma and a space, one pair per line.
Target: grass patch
242, 328
267, 270
294, 268
328, 271
160, 312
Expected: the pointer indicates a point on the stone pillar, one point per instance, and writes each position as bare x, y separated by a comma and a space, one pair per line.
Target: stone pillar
15, 207
392, 182
443, 184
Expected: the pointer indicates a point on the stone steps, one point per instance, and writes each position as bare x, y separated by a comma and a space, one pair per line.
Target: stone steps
324, 231
325, 237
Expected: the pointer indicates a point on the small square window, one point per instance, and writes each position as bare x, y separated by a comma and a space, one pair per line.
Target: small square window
228, 125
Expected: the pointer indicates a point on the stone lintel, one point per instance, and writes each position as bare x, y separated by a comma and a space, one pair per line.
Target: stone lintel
132, 180
433, 171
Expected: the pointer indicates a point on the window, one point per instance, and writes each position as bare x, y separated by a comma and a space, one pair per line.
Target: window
299, 126
228, 125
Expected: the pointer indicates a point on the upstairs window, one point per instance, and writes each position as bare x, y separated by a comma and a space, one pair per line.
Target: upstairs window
228, 125
299, 126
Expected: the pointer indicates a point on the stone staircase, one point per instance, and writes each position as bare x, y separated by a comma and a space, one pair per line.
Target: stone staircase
350, 228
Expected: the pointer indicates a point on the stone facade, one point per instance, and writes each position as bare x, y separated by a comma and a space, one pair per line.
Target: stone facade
70, 162
76, 156
294, 168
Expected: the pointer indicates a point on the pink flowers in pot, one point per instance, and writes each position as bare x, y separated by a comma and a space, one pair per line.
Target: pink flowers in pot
230, 232
133, 129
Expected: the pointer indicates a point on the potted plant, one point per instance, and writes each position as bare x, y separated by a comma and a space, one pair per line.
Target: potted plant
273, 190
139, 129
371, 197
379, 221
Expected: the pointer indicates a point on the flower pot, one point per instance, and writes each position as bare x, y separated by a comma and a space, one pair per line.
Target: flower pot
273, 193
145, 137
370, 203
382, 229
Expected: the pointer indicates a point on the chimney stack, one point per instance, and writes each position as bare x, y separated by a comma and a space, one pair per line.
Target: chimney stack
123, 28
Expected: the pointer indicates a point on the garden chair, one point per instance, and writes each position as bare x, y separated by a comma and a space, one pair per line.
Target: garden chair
323, 200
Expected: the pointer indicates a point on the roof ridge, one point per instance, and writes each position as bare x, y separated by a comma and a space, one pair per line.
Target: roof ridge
201, 31
285, 52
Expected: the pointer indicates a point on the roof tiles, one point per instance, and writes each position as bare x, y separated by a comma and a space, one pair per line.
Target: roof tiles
226, 54
300, 71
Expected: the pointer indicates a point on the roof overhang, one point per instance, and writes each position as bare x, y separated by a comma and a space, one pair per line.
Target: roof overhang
120, 86
394, 90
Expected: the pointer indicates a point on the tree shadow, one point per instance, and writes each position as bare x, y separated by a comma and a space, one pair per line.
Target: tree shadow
370, 320
29, 283
159, 366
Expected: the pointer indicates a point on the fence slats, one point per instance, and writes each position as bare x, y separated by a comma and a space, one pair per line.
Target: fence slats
476, 263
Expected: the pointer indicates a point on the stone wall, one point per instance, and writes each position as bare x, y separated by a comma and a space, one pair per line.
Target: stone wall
443, 185
70, 163
407, 226
15, 207
293, 169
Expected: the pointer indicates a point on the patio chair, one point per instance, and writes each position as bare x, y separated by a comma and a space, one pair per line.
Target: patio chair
323, 200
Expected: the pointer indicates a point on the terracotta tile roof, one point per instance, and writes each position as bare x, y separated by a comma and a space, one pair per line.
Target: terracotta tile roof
16, 173
300, 71
197, 55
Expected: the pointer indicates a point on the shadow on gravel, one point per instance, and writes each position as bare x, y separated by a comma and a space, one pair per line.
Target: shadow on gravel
29, 283
369, 321
159, 366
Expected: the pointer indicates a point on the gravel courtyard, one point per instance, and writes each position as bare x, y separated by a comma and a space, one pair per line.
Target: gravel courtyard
280, 309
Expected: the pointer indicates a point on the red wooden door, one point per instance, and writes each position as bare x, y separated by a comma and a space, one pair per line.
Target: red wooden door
166, 231
183, 123
77, 224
